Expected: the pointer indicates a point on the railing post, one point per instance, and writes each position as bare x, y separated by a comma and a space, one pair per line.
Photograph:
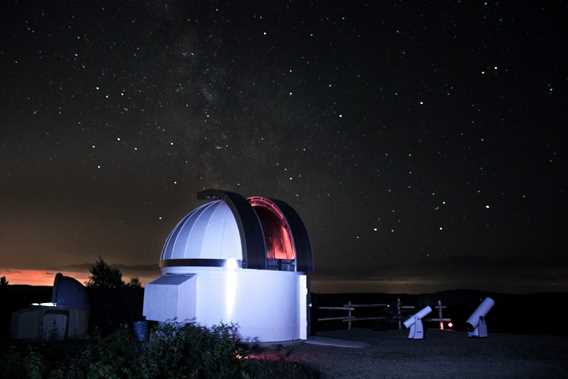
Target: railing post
349, 315
350, 307
440, 314
398, 313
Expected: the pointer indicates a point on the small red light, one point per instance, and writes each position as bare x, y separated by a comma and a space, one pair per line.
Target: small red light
450, 324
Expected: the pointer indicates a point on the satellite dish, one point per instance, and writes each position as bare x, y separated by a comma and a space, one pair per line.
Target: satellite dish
414, 322
475, 324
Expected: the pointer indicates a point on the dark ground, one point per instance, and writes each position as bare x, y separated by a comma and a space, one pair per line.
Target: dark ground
390, 354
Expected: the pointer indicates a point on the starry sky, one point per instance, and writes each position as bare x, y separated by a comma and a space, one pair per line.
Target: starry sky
423, 143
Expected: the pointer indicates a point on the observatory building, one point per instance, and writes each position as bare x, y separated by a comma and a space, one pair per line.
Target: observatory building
66, 316
236, 260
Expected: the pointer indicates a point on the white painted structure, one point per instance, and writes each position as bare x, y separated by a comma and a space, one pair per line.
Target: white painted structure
415, 324
476, 325
65, 317
235, 260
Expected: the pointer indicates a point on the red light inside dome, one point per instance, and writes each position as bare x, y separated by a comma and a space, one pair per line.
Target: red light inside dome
277, 234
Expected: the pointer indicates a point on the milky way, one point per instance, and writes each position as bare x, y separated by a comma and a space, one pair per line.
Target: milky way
423, 144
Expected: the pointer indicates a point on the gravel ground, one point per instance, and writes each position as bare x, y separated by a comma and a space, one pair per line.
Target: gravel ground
389, 354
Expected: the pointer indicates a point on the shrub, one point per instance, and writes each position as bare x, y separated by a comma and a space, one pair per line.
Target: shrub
173, 351
21, 364
190, 351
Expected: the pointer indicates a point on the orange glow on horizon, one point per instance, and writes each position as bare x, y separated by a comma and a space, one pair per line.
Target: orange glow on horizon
39, 277
46, 277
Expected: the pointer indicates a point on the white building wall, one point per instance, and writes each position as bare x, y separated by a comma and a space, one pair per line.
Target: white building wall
303, 307
170, 298
265, 304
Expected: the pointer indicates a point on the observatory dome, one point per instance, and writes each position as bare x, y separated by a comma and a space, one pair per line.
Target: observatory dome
68, 292
208, 232
238, 260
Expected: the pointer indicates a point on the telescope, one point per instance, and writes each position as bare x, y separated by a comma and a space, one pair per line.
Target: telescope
475, 324
414, 322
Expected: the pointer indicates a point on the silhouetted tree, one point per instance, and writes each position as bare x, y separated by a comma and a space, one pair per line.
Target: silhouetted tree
134, 283
104, 276
4, 282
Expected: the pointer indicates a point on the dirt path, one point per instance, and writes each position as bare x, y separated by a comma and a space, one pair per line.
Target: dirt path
388, 354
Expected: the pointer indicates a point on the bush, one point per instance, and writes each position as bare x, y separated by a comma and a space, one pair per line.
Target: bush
191, 351
21, 364
173, 351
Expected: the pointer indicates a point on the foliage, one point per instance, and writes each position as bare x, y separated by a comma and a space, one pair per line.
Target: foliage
18, 364
102, 275
173, 351
134, 283
190, 351
4, 282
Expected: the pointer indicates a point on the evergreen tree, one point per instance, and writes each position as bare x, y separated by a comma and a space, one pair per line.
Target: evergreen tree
104, 276
134, 283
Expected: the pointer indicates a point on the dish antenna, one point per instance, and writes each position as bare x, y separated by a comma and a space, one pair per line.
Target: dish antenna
414, 322
475, 324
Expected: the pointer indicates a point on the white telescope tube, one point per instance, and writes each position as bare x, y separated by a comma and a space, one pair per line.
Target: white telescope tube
417, 316
480, 312
414, 323
475, 324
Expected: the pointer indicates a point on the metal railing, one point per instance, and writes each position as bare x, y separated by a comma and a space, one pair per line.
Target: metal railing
441, 319
401, 311
350, 308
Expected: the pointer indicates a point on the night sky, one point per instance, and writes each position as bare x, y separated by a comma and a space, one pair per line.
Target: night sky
423, 143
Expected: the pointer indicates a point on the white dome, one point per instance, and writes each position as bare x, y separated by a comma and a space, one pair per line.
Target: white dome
207, 232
